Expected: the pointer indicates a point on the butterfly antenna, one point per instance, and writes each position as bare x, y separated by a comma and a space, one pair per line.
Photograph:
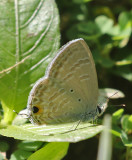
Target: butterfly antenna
119, 105
112, 95
108, 98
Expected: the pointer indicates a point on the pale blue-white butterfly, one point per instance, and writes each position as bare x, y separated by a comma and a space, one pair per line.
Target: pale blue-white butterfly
69, 90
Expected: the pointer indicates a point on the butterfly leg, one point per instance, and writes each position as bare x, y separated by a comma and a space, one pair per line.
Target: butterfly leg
70, 130
77, 124
73, 126
94, 121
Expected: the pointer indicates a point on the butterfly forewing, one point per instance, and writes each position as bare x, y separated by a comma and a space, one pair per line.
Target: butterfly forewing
74, 68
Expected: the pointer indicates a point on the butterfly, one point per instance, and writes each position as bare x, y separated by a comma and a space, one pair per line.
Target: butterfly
69, 90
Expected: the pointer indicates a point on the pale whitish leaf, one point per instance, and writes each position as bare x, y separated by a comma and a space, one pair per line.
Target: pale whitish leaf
108, 92
52, 133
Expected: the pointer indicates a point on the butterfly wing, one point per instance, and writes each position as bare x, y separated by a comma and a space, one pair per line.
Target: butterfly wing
69, 88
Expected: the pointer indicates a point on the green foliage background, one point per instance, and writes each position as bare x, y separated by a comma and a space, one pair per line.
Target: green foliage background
106, 26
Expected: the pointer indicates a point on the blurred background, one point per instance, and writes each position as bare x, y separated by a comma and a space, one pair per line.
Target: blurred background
106, 26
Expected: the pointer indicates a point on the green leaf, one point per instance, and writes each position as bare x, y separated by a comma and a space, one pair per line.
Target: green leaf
123, 71
81, 1
126, 122
104, 23
29, 31
4, 146
106, 62
126, 61
29, 145
127, 140
87, 30
54, 151
116, 131
117, 115
124, 28
52, 133
125, 19
20, 155
102, 57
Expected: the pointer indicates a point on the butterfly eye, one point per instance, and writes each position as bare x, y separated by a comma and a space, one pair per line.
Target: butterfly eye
99, 109
35, 109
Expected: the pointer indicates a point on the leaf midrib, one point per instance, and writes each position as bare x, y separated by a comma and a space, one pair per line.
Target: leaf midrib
17, 35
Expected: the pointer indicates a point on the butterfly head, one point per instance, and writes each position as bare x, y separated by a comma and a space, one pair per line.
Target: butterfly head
102, 107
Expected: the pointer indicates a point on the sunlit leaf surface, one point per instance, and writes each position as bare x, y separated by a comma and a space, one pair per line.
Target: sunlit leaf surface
52, 133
